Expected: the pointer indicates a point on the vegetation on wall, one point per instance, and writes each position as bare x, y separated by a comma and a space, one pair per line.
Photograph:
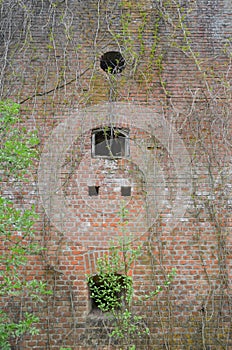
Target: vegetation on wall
17, 153
189, 81
112, 292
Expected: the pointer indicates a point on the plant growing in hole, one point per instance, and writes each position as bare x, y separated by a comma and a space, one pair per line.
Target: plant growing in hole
111, 288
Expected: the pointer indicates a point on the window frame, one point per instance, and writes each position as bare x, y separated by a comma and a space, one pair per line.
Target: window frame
123, 131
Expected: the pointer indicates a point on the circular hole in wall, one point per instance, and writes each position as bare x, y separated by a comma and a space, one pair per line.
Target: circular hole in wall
112, 62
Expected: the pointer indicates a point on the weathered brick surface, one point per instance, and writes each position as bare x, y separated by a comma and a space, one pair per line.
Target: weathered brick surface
178, 113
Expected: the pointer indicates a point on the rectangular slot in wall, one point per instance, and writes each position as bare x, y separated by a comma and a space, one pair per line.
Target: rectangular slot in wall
126, 191
93, 190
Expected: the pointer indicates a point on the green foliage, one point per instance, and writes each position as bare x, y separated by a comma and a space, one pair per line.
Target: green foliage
10, 329
167, 282
112, 291
112, 288
17, 152
108, 288
17, 146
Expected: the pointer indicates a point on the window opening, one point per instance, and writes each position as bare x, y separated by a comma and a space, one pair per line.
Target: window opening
110, 142
126, 191
112, 62
93, 190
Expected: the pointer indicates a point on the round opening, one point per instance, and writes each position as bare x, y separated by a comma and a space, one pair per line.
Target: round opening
112, 62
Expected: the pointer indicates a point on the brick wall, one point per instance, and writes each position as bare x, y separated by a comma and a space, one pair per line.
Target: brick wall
174, 97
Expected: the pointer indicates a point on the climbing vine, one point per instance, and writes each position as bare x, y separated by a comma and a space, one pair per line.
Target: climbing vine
50, 65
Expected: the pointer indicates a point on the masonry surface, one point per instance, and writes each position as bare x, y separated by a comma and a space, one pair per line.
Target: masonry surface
174, 97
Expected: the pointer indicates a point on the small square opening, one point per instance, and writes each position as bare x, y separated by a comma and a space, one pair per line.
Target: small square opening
93, 191
126, 191
107, 291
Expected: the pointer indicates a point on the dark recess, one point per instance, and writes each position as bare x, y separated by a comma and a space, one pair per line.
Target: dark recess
112, 62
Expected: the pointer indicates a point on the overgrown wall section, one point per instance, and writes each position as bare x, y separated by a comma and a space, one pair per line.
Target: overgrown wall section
174, 96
